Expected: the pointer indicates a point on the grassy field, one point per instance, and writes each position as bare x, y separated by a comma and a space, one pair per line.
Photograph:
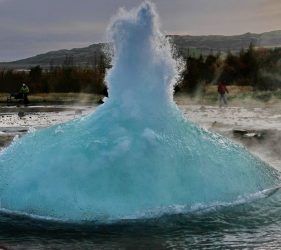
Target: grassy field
238, 96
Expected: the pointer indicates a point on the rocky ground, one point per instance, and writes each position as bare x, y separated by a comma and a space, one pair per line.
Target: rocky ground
257, 128
18, 120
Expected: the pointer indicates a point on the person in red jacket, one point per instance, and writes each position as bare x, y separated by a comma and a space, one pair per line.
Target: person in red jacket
222, 90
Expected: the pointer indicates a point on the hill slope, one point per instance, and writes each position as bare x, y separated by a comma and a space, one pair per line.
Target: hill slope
186, 44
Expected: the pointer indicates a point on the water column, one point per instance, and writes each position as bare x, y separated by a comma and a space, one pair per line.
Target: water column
136, 156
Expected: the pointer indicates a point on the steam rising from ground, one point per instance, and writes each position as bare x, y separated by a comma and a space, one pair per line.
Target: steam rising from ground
136, 155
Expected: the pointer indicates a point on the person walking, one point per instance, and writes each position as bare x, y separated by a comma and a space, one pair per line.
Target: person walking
222, 90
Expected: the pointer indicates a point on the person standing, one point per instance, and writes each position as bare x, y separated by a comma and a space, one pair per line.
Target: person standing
222, 90
24, 91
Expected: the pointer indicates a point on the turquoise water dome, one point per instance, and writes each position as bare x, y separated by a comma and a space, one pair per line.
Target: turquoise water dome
136, 155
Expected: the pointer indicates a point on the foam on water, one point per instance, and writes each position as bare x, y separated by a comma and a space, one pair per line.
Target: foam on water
136, 153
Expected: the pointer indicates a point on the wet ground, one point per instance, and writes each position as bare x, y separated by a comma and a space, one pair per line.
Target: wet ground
18, 120
257, 128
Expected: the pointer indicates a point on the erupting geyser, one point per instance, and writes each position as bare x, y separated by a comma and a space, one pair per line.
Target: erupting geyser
136, 155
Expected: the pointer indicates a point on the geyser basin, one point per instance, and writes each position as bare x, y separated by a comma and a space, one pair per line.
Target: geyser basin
136, 155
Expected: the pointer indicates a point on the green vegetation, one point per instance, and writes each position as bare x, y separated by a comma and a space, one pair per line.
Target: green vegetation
257, 68
67, 78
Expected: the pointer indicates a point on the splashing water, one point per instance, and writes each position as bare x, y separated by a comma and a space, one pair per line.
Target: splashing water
136, 155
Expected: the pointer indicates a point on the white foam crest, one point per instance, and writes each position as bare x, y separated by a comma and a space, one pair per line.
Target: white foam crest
198, 208
141, 50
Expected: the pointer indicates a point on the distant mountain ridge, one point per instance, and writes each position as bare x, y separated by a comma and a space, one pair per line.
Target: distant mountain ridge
220, 43
186, 44
79, 56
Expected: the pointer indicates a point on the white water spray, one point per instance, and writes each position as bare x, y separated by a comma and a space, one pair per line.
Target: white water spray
136, 154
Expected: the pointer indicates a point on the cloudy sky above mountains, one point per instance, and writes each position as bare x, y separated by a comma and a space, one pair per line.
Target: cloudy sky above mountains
30, 27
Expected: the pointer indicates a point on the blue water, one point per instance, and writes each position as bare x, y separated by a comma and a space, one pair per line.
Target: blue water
250, 225
136, 164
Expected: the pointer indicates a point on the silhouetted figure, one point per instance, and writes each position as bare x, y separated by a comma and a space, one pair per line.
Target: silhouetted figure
222, 90
24, 91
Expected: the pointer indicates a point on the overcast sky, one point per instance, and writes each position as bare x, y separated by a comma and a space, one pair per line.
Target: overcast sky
30, 27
